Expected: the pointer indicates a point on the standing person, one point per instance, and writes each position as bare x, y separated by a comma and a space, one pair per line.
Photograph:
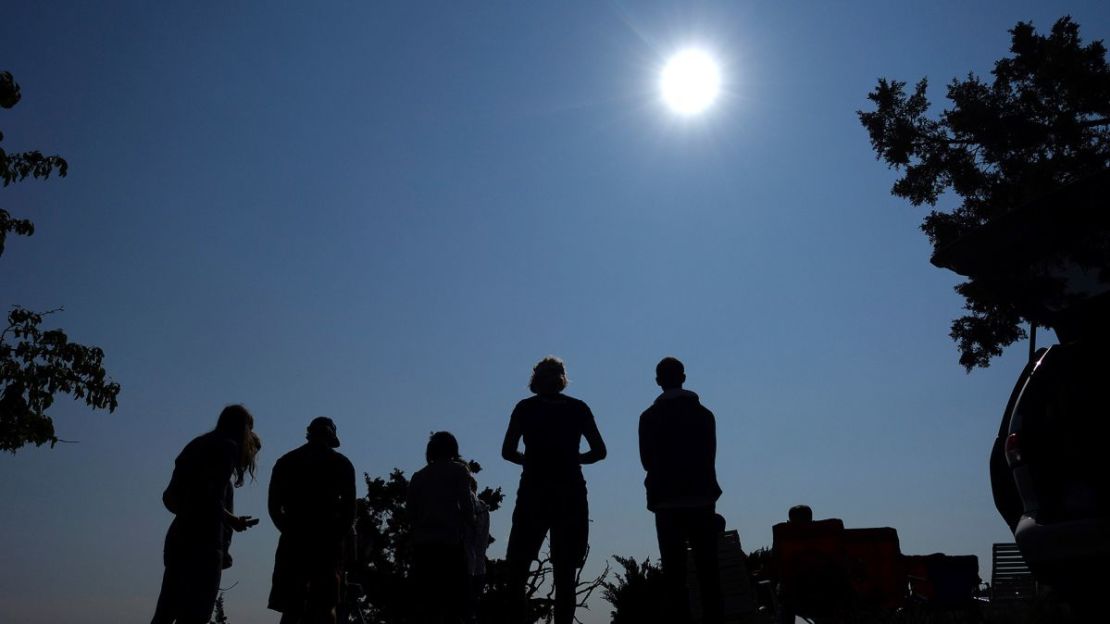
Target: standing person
201, 497
312, 504
441, 509
678, 448
552, 493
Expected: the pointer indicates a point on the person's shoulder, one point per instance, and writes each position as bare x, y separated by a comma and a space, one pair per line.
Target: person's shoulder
575, 402
528, 402
581, 408
206, 439
285, 460
341, 460
457, 467
197, 443
528, 407
211, 443
704, 410
294, 456
439, 471
691, 404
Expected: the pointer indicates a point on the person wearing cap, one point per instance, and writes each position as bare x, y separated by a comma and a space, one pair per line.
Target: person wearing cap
312, 504
678, 450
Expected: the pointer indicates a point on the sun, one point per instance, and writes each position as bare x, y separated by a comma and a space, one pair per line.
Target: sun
690, 82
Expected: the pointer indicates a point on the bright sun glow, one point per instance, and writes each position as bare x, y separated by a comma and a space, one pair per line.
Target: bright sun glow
690, 82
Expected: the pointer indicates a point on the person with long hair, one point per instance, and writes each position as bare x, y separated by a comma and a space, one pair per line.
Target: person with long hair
201, 497
552, 494
441, 511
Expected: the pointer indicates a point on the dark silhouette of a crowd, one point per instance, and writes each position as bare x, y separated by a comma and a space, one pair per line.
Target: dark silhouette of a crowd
312, 504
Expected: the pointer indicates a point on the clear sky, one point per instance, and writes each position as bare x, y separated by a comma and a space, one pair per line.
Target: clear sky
386, 212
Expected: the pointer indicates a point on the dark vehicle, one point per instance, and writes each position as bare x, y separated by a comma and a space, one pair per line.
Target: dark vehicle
1058, 432
1048, 475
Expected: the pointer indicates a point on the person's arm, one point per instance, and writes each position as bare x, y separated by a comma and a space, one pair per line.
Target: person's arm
597, 450
275, 500
344, 510
412, 498
221, 466
239, 523
224, 469
647, 440
509, 448
712, 437
466, 498
348, 507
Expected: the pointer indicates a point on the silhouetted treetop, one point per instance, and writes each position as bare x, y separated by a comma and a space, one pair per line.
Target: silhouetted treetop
1042, 122
34, 366
18, 166
36, 363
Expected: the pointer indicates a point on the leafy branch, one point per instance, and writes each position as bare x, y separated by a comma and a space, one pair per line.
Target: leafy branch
37, 364
1041, 123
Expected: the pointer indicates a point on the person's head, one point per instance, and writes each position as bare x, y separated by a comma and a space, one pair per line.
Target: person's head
719, 523
670, 373
322, 431
549, 376
800, 513
442, 445
236, 423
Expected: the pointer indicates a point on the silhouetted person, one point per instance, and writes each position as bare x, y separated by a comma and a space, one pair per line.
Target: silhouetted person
441, 509
678, 448
552, 494
201, 497
312, 504
799, 514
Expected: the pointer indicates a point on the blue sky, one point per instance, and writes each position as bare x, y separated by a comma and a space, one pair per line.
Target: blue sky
387, 212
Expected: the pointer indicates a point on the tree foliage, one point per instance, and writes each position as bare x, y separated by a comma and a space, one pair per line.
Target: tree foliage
1042, 122
35, 366
637, 594
36, 363
218, 615
19, 166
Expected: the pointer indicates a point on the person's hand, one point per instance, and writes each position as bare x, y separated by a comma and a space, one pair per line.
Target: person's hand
242, 523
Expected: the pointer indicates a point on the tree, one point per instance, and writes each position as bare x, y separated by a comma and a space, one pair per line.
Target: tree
1042, 123
218, 615
385, 558
637, 594
36, 364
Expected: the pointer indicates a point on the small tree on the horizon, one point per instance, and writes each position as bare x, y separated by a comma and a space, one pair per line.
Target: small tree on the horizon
36, 363
218, 615
637, 594
1043, 122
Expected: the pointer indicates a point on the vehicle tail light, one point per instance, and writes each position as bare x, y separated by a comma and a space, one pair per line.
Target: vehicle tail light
1013, 450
